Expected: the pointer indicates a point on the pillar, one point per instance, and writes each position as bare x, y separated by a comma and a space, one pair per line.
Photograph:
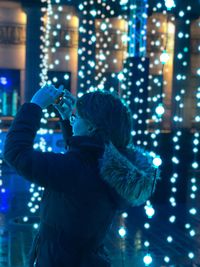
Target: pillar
32, 69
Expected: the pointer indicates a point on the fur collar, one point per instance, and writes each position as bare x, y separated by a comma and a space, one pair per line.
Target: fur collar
131, 175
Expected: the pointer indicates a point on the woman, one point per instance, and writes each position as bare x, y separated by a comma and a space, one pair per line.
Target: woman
85, 187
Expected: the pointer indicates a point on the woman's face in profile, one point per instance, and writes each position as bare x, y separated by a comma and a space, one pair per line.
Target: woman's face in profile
79, 126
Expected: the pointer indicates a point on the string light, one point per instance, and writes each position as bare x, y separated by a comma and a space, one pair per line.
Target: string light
147, 259
169, 4
40, 144
150, 212
164, 57
53, 38
193, 210
122, 232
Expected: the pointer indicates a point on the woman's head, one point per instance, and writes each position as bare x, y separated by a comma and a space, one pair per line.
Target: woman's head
106, 116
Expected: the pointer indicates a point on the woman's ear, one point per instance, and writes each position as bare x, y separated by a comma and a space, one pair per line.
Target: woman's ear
91, 129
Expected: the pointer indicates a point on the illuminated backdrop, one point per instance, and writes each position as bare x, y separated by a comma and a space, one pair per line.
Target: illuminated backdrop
151, 59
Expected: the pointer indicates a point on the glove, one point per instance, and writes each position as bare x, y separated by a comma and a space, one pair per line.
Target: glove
46, 95
66, 105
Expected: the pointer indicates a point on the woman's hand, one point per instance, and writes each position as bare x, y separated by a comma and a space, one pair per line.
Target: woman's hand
66, 105
46, 95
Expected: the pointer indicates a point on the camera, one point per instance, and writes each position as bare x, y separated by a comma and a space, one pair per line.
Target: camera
59, 99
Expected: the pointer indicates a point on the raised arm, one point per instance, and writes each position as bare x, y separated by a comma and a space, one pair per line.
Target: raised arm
46, 169
66, 130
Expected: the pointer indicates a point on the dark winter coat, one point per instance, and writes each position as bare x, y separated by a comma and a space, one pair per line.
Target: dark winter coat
83, 190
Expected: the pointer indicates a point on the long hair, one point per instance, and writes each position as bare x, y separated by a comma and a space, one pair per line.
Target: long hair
110, 117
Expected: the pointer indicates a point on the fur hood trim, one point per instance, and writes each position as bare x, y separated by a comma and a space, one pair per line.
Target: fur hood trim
132, 176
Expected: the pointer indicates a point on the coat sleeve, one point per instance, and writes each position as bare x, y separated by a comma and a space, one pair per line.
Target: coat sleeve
66, 130
47, 169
